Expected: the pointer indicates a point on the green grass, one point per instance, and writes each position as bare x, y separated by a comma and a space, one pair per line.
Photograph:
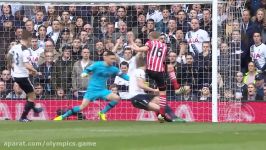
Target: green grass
118, 135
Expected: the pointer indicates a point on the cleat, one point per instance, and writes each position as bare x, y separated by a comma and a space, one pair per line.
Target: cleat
160, 118
102, 116
24, 120
59, 118
179, 120
37, 111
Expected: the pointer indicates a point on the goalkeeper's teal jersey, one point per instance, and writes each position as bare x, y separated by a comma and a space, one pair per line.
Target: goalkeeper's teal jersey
100, 73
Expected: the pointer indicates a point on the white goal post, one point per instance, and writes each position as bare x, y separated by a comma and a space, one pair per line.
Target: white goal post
214, 40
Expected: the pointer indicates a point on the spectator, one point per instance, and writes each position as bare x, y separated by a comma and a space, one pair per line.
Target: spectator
65, 20
29, 26
64, 39
241, 87
79, 85
205, 93
258, 52
39, 19
102, 28
252, 93
122, 84
35, 52
40, 95
110, 30
150, 26
49, 47
98, 54
6, 14
161, 26
54, 31
76, 49
247, 30
259, 19
259, 84
154, 13
122, 31
16, 93
45, 72
122, 18
52, 14
183, 51
6, 77
3, 90
171, 29
189, 73
61, 73
182, 23
79, 23
175, 8
88, 38
60, 94
141, 23
19, 19
206, 23
42, 36
250, 75
196, 37
7, 35
18, 33
204, 60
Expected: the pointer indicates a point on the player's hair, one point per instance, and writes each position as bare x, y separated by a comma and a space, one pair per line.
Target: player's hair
109, 53
26, 35
155, 35
124, 63
140, 61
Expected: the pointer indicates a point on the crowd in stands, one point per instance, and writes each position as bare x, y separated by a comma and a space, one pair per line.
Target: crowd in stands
67, 39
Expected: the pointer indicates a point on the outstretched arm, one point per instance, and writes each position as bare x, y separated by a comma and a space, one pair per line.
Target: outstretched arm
123, 76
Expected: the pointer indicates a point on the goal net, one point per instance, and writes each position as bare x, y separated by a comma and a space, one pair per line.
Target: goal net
67, 37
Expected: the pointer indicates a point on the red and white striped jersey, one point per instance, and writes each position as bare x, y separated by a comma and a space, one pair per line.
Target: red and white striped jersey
156, 55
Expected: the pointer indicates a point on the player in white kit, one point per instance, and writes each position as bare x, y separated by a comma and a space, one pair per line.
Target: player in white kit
19, 62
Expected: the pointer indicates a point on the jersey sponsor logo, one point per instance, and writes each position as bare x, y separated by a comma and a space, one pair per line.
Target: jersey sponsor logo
193, 40
256, 56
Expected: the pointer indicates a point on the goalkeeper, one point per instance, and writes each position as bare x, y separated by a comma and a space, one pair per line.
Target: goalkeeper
100, 72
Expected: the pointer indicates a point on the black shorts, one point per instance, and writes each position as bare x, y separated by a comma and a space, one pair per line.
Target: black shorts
25, 84
142, 101
159, 78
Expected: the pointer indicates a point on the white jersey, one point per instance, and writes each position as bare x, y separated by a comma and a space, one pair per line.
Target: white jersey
131, 63
134, 89
35, 55
258, 54
195, 40
21, 55
123, 84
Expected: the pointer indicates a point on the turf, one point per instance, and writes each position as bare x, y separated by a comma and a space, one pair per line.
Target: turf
117, 135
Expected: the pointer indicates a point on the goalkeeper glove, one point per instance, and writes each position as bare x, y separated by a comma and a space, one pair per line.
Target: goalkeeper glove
84, 75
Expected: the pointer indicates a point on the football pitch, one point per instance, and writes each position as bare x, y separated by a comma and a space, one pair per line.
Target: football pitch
124, 135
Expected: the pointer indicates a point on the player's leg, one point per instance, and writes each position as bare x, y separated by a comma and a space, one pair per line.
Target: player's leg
28, 88
74, 110
172, 76
113, 98
87, 98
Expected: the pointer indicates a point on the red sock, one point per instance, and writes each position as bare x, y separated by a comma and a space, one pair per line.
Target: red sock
173, 80
162, 104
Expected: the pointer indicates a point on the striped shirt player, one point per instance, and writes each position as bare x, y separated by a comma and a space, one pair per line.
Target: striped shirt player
155, 65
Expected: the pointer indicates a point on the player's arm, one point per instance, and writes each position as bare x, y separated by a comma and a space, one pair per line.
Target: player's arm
140, 49
9, 58
88, 70
123, 76
142, 85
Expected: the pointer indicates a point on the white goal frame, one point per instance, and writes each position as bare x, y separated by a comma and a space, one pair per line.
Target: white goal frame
214, 30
